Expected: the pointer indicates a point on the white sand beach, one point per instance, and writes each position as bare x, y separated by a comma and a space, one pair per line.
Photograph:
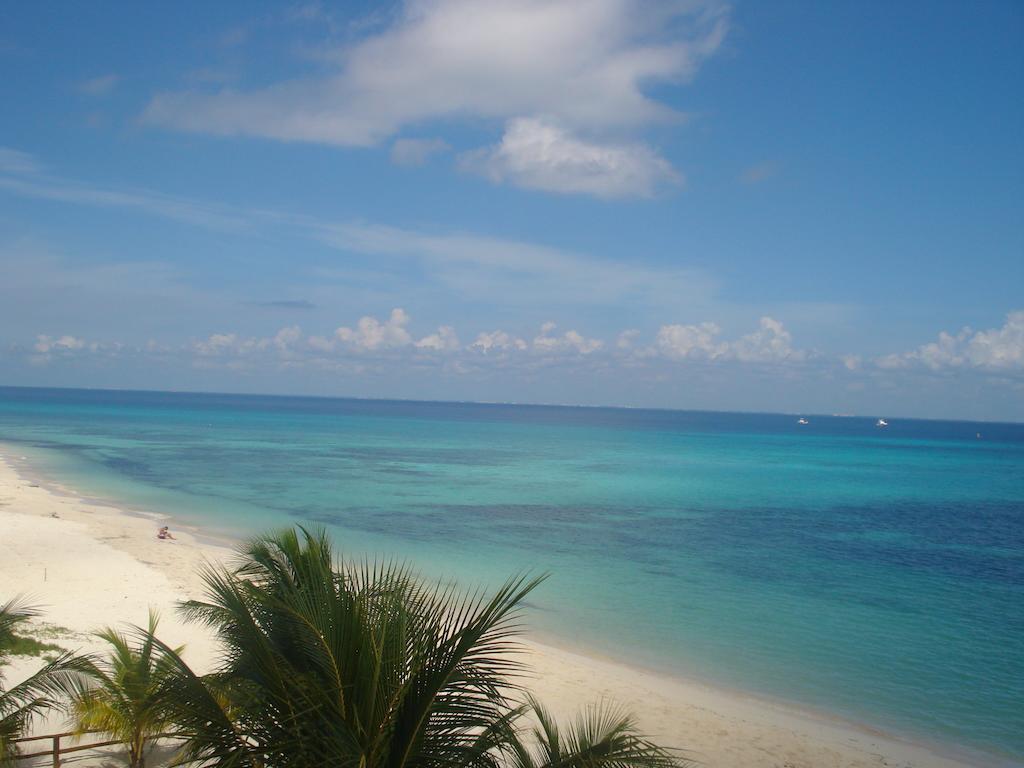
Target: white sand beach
91, 565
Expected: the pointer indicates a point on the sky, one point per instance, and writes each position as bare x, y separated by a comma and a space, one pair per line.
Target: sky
791, 206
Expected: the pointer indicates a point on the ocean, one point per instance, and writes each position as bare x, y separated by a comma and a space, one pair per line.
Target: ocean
873, 573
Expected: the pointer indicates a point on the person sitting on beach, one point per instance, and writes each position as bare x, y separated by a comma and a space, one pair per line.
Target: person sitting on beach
164, 533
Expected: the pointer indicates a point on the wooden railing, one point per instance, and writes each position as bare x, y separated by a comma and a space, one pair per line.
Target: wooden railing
57, 750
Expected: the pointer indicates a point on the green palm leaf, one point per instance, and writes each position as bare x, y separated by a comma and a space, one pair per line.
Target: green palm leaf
122, 693
364, 665
42, 691
602, 736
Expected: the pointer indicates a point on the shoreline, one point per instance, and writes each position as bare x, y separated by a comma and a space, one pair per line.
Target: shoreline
715, 725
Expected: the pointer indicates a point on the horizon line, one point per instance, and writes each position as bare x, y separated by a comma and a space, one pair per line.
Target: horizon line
506, 403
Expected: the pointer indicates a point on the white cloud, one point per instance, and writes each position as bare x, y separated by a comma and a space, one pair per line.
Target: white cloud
46, 347
371, 334
285, 339
770, 343
414, 152
320, 344
627, 339
999, 347
567, 77
499, 341
477, 267
584, 62
570, 341
539, 154
994, 349
49, 344
375, 341
444, 340
379, 345
217, 344
284, 343
686, 341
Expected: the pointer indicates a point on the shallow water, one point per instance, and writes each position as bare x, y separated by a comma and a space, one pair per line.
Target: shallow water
874, 573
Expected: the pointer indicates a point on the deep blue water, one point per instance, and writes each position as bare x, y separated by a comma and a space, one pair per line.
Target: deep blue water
874, 573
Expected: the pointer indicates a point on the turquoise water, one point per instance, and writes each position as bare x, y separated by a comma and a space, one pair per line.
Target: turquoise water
873, 573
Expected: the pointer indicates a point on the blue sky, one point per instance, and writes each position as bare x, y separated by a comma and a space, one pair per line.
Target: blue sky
810, 207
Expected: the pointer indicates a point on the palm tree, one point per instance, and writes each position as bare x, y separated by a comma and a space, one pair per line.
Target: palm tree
122, 693
365, 666
38, 693
601, 735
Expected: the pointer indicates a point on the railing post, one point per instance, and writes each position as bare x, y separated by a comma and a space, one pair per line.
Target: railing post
56, 752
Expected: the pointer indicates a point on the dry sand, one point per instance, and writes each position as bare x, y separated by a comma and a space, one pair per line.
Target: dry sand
95, 565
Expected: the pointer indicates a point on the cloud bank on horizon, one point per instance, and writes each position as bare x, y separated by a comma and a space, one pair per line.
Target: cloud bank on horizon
390, 340
677, 203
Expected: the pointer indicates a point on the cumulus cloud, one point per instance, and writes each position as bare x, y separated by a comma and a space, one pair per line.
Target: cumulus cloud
49, 344
414, 152
286, 338
444, 340
217, 344
499, 341
571, 341
379, 342
566, 77
539, 154
371, 334
627, 339
997, 349
46, 347
284, 342
771, 342
688, 341
585, 62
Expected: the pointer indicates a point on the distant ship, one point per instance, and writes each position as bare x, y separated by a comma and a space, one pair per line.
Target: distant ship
881, 423
803, 421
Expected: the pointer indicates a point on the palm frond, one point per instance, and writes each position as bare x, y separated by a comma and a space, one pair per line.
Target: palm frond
41, 691
365, 664
601, 736
15, 611
121, 693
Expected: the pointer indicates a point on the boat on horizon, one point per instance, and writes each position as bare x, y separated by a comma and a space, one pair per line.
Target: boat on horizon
881, 423
802, 420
